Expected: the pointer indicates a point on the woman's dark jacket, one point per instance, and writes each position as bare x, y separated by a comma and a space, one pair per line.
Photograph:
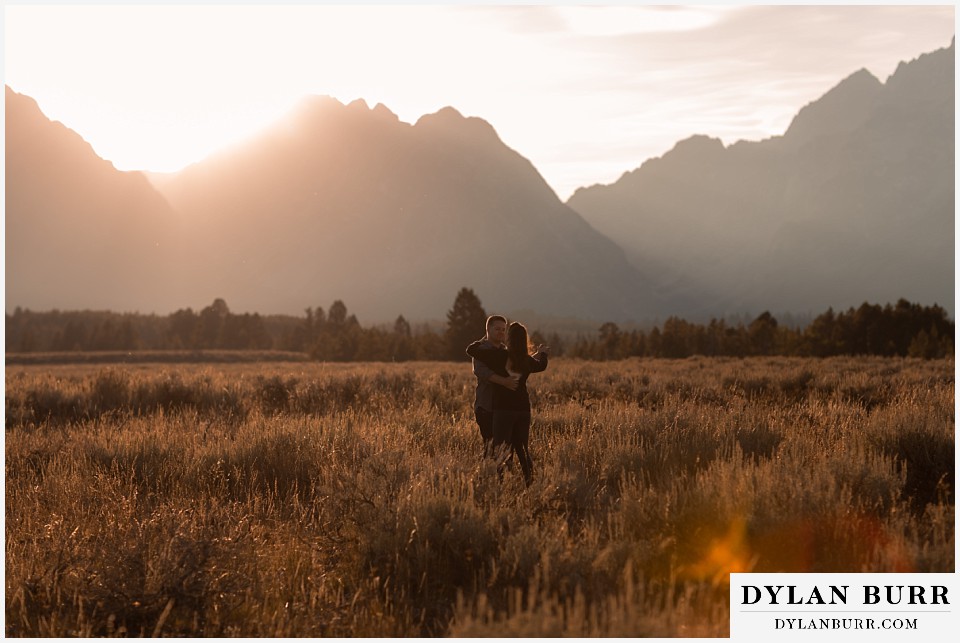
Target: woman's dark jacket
496, 358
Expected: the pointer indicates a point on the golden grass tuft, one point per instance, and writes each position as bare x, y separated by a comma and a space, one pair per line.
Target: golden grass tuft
351, 500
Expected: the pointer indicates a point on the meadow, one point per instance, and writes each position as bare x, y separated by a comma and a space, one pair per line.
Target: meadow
307, 499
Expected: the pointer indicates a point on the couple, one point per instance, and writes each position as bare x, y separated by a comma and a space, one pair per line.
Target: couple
502, 362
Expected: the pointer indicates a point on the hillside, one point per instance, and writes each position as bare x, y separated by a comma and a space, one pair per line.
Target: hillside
79, 233
334, 202
855, 202
347, 202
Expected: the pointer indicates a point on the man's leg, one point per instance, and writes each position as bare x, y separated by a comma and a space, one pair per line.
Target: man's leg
485, 423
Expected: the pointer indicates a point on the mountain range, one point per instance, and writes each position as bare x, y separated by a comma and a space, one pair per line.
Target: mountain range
79, 233
335, 202
348, 202
854, 202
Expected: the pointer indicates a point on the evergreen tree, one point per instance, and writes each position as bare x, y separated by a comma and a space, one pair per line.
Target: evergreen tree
401, 347
182, 329
211, 322
610, 341
763, 334
73, 337
466, 321
401, 327
556, 344
127, 340
337, 316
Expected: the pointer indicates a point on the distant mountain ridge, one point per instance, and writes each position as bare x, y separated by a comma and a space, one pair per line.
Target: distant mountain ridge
79, 233
855, 202
347, 202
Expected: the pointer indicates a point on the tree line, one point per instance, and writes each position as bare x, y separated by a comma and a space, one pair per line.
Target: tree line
903, 329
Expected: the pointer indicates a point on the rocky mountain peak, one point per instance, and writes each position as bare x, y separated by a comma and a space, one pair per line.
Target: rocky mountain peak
449, 121
843, 108
937, 66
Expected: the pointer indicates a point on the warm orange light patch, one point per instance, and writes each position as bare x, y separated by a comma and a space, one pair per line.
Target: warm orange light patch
726, 555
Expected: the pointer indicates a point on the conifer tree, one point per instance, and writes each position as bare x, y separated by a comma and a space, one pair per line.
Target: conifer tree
466, 321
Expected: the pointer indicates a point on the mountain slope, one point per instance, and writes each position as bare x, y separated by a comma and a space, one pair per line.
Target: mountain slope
347, 202
854, 202
79, 233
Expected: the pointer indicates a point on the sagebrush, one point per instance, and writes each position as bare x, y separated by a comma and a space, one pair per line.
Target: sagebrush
352, 500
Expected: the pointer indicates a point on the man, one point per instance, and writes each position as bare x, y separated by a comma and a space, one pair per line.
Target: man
496, 336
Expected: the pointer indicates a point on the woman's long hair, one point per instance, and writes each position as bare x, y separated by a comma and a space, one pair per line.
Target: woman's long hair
518, 347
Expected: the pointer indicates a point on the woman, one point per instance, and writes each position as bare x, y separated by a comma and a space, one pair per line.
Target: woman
511, 409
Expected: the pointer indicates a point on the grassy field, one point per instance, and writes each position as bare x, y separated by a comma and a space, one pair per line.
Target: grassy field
304, 499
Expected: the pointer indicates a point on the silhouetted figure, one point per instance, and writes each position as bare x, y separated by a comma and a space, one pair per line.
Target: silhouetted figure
511, 408
487, 379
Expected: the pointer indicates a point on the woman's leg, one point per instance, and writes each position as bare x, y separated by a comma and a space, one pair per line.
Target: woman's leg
520, 439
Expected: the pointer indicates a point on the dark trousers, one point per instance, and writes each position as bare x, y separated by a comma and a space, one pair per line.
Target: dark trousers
485, 423
511, 434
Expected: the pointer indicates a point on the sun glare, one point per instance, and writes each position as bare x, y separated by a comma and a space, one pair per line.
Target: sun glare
233, 71
157, 87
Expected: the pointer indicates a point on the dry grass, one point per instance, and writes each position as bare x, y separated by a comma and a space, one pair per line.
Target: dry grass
350, 500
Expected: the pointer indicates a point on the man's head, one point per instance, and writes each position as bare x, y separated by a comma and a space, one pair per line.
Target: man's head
497, 329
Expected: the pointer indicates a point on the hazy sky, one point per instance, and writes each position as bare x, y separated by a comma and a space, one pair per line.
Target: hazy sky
585, 92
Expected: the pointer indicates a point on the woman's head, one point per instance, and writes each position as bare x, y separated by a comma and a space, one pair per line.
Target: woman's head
518, 346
